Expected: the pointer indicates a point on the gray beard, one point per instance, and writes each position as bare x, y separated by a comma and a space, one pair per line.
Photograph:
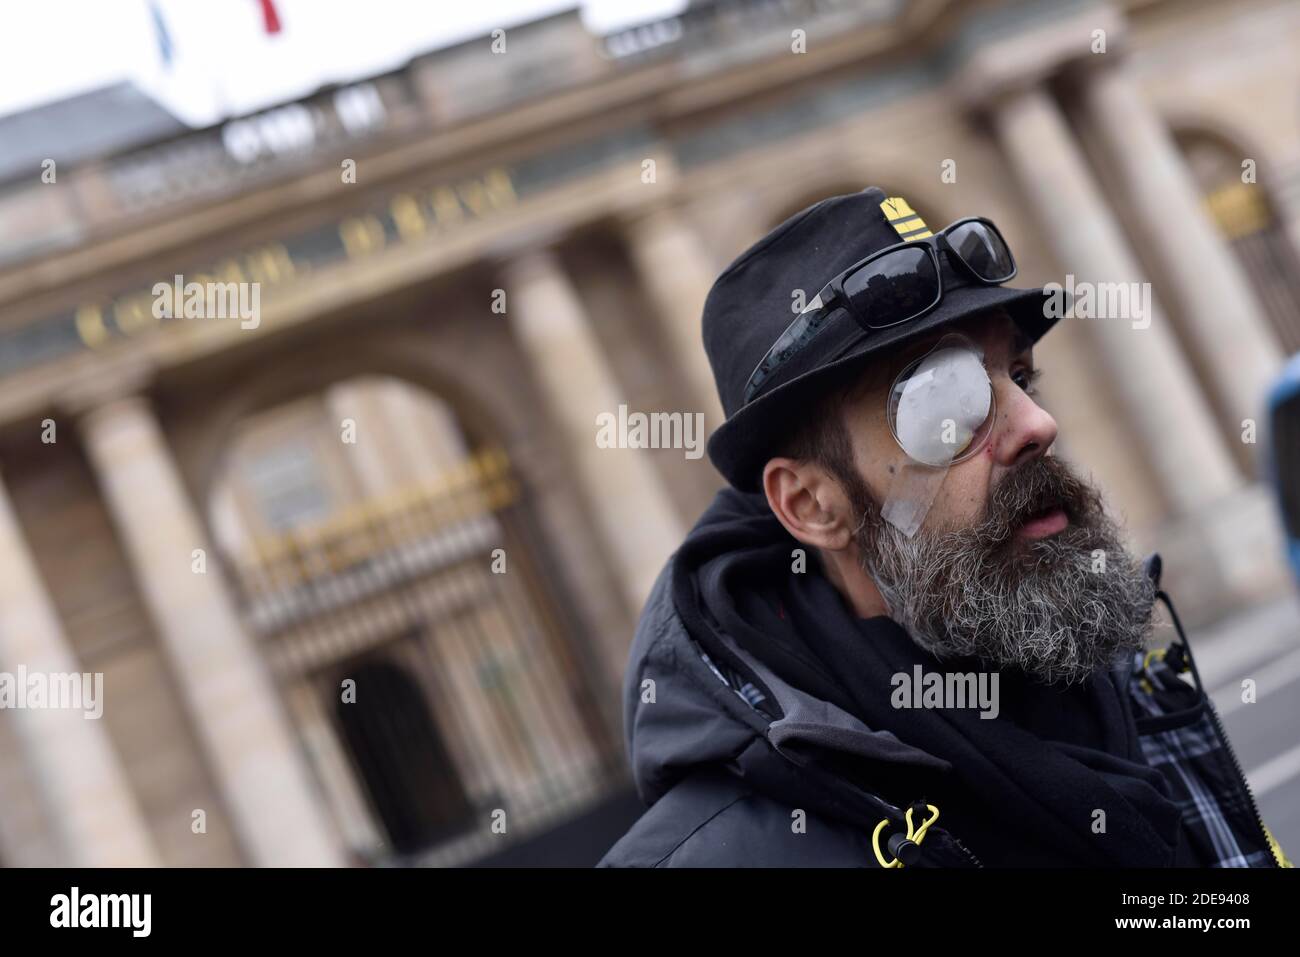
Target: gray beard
1057, 608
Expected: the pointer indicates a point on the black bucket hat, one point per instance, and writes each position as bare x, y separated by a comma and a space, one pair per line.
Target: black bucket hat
750, 305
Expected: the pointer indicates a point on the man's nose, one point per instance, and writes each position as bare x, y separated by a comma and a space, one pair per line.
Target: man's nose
1024, 429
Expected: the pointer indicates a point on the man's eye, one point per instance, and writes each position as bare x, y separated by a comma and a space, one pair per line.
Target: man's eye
1025, 379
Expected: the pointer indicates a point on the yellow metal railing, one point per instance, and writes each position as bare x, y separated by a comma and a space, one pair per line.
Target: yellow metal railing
1238, 209
479, 485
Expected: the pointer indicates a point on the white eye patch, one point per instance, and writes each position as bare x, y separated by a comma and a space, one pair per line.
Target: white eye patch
937, 409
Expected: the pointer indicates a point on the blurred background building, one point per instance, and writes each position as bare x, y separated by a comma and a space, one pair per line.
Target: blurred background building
392, 483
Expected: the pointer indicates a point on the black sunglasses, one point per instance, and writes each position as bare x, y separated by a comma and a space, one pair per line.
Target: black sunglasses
893, 285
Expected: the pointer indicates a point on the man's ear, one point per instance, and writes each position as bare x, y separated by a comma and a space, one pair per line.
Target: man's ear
808, 502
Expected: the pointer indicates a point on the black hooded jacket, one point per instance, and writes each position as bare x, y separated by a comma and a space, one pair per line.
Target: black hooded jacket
760, 731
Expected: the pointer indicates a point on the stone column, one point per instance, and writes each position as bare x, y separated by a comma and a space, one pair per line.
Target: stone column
630, 504
1216, 306
1165, 411
88, 800
255, 760
678, 271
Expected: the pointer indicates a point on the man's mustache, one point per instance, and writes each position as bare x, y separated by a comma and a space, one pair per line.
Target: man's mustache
1039, 486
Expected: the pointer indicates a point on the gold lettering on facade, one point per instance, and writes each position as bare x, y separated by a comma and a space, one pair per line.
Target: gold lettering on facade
133, 314
270, 264
90, 326
409, 216
414, 215
230, 271
446, 207
475, 196
361, 235
500, 188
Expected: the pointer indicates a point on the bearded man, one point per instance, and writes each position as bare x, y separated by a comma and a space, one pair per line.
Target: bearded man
907, 633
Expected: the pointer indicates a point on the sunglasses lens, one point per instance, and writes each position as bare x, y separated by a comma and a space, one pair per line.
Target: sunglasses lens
983, 250
893, 288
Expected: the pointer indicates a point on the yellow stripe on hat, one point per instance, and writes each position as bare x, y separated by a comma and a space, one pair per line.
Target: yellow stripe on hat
896, 208
903, 218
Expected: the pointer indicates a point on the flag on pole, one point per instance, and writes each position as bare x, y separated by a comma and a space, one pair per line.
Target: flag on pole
270, 17
165, 48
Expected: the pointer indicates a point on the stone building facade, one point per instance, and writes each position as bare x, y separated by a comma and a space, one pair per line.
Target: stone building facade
390, 482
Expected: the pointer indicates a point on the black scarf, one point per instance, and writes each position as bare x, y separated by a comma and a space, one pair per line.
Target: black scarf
1024, 787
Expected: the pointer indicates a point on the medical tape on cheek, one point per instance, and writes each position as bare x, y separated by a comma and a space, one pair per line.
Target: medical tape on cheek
936, 408
911, 495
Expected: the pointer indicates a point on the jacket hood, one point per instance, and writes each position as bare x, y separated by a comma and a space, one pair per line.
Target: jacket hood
695, 696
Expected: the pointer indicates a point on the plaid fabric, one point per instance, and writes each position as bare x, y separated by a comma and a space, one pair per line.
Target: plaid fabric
1180, 739
751, 695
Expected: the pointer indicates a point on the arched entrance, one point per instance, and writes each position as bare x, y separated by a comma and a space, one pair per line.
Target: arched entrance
1245, 214
390, 568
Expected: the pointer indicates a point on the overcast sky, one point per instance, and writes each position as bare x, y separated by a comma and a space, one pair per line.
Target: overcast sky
223, 61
